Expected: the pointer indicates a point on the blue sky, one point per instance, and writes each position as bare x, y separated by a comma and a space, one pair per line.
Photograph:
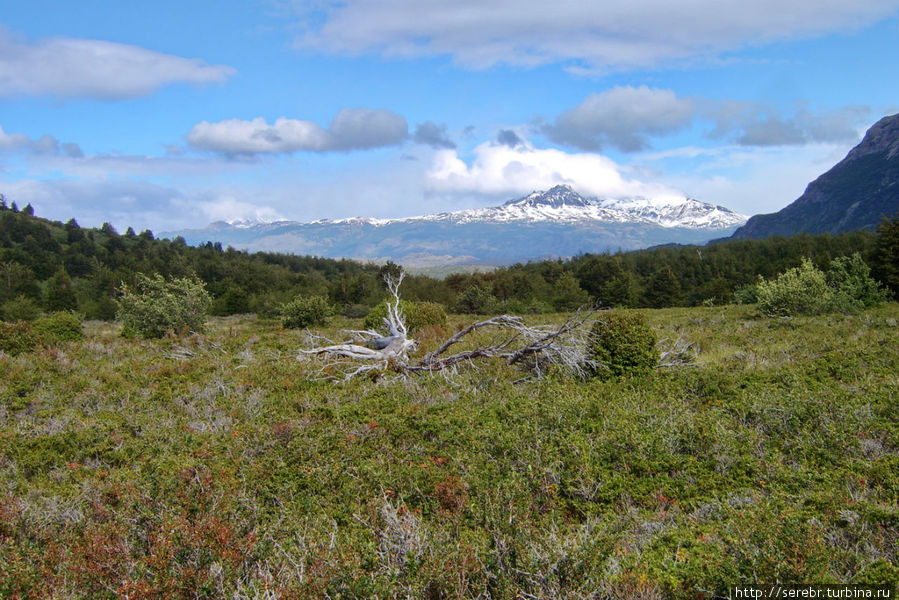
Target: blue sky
170, 114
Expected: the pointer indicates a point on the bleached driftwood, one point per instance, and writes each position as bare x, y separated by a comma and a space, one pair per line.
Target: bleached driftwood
378, 352
534, 347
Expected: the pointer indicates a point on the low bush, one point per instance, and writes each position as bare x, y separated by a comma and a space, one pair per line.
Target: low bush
622, 344
416, 316
748, 294
802, 290
16, 338
158, 306
304, 311
59, 327
476, 300
853, 287
20, 308
806, 290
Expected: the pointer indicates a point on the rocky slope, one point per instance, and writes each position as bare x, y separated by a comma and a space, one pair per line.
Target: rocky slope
857, 193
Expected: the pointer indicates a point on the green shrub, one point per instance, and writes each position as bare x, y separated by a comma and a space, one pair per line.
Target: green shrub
355, 311
16, 338
426, 314
476, 300
416, 316
59, 327
748, 294
806, 290
304, 311
622, 344
159, 306
802, 290
20, 308
850, 279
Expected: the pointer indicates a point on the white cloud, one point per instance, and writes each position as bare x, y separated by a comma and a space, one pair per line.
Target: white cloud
597, 35
622, 117
503, 171
80, 68
351, 129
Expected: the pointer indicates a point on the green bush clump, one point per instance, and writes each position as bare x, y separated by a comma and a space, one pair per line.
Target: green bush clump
806, 290
476, 300
158, 306
802, 290
20, 308
416, 315
304, 311
60, 326
622, 344
747, 294
16, 338
426, 314
853, 287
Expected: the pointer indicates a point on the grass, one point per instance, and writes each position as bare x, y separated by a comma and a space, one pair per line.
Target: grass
217, 466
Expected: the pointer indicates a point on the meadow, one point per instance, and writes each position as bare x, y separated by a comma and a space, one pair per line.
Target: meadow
221, 466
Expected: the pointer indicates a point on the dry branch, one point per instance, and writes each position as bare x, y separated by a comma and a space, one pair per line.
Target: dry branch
534, 348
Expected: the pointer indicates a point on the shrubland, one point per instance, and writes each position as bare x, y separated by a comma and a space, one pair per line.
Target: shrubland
218, 465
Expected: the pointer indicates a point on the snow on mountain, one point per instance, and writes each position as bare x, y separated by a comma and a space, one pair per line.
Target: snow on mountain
556, 223
561, 204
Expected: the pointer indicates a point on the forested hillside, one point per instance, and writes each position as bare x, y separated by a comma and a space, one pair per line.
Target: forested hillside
50, 266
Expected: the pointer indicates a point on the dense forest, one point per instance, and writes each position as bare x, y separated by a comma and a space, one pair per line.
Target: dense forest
50, 266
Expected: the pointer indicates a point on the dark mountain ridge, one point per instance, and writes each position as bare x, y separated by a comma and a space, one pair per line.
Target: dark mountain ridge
857, 193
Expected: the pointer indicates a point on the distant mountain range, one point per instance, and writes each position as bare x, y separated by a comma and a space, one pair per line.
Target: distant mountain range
555, 223
857, 193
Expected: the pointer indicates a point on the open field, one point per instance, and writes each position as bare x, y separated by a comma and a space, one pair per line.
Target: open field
215, 466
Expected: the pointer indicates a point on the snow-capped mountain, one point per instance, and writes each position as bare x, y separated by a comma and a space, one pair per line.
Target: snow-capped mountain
555, 223
562, 204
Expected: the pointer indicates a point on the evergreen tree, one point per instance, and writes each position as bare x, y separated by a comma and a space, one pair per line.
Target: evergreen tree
886, 255
663, 289
60, 295
567, 293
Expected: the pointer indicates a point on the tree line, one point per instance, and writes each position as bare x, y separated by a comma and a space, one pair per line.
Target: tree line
48, 266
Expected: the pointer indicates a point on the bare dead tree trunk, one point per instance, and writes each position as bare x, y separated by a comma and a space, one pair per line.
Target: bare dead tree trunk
533, 348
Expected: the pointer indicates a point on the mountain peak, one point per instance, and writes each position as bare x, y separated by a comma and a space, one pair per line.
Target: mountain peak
555, 197
856, 193
883, 136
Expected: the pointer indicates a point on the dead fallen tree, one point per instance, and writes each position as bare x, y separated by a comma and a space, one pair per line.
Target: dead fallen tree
534, 349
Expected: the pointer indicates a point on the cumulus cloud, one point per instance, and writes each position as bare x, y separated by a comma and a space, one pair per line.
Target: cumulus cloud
80, 68
501, 170
46, 144
622, 117
431, 134
351, 129
750, 124
590, 35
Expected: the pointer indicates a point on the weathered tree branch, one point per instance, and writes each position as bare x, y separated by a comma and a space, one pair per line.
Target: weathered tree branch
532, 347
